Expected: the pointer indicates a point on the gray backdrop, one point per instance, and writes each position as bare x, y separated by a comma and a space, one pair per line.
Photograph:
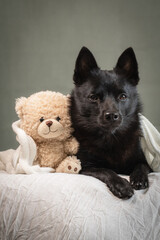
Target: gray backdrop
40, 40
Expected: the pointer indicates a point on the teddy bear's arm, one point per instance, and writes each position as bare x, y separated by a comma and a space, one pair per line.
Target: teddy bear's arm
46, 158
71, 146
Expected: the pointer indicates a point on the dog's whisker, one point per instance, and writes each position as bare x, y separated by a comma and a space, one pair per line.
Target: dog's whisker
115, 137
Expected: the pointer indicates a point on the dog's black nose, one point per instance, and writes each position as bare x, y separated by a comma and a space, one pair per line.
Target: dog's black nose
110, 116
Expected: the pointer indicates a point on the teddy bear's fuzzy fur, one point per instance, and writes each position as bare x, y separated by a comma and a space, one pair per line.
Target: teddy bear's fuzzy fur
44, 116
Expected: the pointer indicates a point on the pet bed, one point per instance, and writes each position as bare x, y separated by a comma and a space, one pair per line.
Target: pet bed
62, 206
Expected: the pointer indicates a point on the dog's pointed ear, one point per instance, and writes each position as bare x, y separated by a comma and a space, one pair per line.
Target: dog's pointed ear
127, 65
85, 63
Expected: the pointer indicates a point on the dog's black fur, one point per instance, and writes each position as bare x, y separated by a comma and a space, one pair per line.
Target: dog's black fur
105, 111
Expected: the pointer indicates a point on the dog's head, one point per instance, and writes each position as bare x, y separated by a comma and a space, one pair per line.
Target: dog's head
102, 99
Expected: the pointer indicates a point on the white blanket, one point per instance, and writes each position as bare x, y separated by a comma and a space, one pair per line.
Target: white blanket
21, 160
58, 206
75, 207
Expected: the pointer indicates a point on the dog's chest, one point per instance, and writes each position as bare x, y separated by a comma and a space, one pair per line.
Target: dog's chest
116, 158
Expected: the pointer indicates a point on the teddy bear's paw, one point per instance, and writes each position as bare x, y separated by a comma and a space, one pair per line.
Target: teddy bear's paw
69, 165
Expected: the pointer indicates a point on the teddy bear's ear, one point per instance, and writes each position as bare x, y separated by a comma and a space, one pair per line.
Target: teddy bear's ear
20, 102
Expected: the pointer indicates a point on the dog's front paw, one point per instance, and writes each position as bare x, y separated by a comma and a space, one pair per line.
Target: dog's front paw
139, 181
121, 188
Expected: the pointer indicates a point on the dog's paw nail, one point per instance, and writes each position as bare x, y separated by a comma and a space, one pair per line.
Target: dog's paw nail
119, 194
139, 184
146, 184
130, 194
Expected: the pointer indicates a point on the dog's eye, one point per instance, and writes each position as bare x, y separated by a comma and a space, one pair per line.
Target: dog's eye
122, 97
58, 119
93, 98
41, 119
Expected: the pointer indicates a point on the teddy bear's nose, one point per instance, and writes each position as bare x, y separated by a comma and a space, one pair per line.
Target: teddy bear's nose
49, 123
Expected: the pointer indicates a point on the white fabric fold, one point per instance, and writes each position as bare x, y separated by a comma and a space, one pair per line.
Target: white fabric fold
150, 143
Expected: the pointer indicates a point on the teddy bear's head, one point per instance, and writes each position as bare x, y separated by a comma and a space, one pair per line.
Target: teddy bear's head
44, 116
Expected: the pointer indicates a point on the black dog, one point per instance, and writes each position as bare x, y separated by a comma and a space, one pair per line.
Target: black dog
104, 112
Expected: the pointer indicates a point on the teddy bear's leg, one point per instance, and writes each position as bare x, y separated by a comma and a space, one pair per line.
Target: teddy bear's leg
69, 165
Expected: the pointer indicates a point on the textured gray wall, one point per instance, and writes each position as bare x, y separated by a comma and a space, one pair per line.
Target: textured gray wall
40, 40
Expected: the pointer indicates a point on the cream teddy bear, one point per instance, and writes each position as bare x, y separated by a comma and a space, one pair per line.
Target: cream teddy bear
44, 116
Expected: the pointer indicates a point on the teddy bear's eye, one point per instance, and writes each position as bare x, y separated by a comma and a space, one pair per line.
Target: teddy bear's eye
58, 119
41, 119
